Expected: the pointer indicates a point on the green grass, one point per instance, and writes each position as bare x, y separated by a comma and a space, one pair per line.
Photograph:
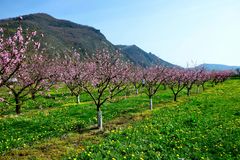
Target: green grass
203, 126
58, 117
207, 127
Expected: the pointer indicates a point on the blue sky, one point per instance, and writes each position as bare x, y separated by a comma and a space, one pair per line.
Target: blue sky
179, 31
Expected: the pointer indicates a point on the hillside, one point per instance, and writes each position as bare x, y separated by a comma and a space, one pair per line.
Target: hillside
62, 35
218, 67
140, 57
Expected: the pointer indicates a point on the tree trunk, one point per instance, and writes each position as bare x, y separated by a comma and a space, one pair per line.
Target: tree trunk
151, 105
198, 89
136, 91
33, 96
110, 92
18, 106
203, 87
78, 100
99, 119
175, 97
188, 91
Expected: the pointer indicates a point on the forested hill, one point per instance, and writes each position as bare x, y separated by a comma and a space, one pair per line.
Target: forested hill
63, 35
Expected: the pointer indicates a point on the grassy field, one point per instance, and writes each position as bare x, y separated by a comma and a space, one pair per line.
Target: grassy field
203, 126
207, 127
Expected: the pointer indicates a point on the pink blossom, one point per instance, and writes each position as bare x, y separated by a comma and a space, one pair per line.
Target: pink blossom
2, 99
34, 33
12, 53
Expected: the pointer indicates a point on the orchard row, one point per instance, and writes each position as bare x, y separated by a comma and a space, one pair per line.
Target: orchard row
25, 71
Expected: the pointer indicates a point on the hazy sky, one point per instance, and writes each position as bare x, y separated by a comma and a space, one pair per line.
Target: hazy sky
178, 31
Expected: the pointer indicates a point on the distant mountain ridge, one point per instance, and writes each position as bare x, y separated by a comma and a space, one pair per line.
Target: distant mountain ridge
142, 58
218, 67
62, 36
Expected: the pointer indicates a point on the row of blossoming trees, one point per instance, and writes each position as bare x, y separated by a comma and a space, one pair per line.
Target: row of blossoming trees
25, 72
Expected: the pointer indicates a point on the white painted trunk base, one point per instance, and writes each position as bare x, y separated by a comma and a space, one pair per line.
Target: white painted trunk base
78, 99
151, 105
99, 118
